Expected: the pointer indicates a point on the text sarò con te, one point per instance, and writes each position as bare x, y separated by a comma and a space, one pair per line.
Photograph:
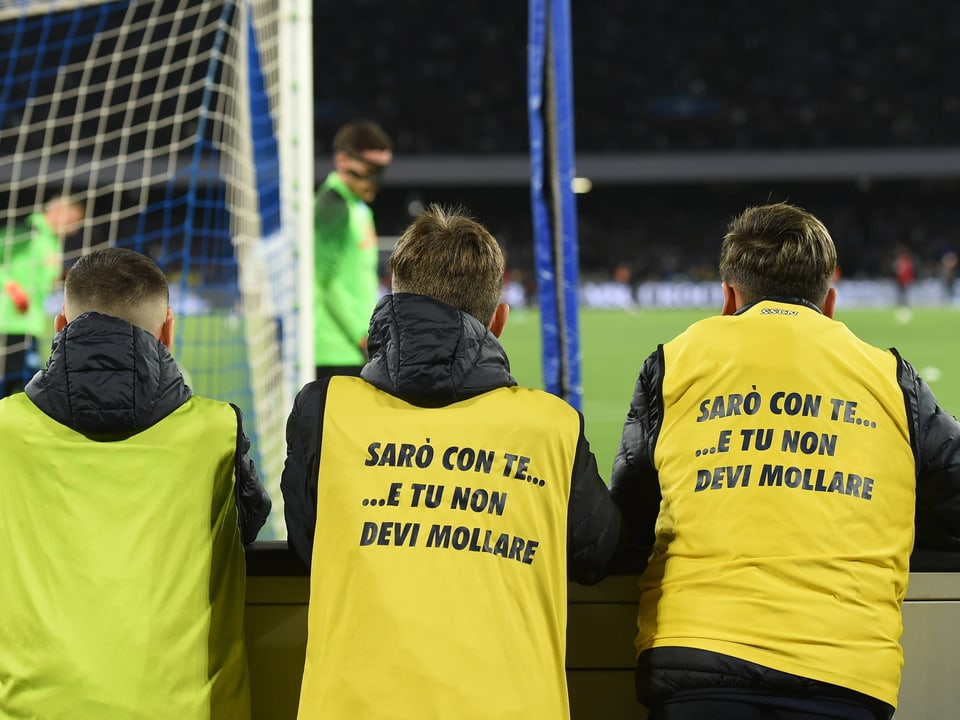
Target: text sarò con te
780, 402
455, 458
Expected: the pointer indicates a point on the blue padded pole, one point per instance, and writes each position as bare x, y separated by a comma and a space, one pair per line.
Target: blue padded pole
550, 113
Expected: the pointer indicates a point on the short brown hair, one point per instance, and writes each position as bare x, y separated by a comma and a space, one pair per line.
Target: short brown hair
447, 255
778, 250
359, 136
118, 282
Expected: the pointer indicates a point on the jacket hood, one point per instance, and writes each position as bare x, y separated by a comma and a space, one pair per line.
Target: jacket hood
431, 354
108, 376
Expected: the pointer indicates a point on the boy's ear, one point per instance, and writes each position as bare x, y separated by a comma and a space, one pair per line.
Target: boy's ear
830, 302
499, 319
729, 300
166, 330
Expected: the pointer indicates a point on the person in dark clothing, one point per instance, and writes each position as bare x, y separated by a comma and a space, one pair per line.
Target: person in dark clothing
127, 500
775, 473
441, 507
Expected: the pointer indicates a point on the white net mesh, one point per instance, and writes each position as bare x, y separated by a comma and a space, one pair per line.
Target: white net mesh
160, 119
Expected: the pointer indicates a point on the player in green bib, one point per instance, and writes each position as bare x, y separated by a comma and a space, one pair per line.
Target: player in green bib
346, 254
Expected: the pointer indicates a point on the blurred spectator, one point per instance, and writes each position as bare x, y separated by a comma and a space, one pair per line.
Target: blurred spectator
948, 275
904, 273
30, 265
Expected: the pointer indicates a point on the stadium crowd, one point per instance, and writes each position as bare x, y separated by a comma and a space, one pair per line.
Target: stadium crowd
680, 76
662, 233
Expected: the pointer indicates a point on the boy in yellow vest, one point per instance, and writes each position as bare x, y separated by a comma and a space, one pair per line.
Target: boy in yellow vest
769, 472
441, 507
126, 500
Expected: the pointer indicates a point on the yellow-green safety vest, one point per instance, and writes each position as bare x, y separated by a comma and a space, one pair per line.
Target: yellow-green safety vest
122, 588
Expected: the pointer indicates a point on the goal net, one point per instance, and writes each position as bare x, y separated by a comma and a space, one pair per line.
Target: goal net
182, 129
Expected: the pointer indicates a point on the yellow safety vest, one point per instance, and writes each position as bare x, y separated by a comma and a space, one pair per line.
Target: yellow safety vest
788, 484
122, 589
439, 564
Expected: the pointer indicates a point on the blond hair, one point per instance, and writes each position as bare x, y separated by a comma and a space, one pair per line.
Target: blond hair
447, 255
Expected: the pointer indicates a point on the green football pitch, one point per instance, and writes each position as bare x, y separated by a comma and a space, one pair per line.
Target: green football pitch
614, 343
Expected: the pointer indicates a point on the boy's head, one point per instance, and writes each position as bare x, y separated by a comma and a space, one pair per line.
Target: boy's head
447, 255
121, 283
778, 250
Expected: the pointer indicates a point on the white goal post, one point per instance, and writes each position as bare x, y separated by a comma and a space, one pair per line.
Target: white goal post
184, 128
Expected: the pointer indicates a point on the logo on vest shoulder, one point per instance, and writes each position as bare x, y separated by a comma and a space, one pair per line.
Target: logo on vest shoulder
777, 311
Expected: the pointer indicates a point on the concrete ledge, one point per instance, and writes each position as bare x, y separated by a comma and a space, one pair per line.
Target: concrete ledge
600, 629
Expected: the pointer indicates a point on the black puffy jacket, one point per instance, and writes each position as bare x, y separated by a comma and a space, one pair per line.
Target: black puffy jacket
109, 379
